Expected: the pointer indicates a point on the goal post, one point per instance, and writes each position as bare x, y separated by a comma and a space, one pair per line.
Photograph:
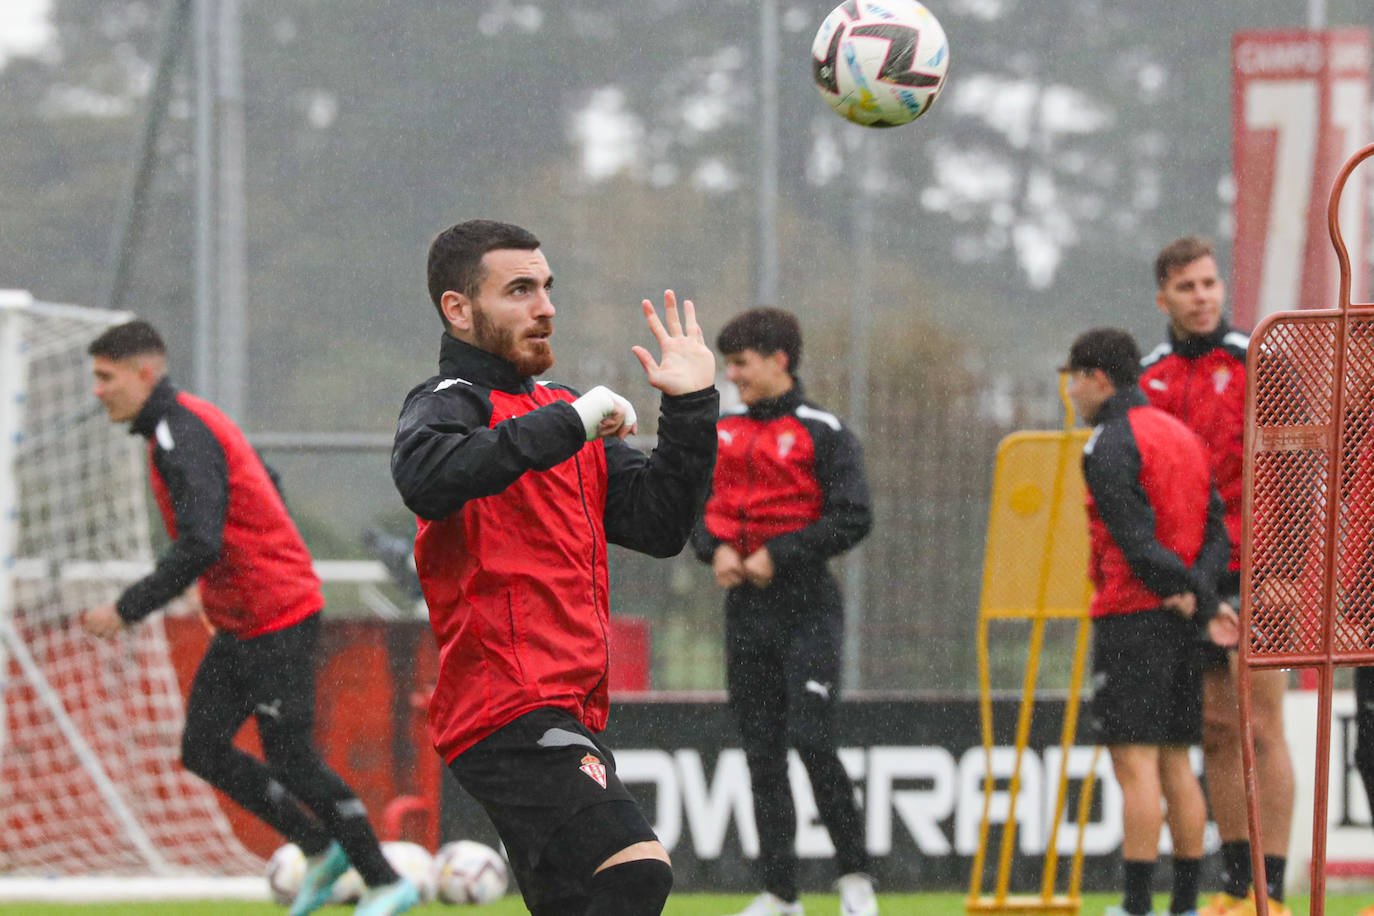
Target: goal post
90, 777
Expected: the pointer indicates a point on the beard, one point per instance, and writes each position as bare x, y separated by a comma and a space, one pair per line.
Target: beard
530, 357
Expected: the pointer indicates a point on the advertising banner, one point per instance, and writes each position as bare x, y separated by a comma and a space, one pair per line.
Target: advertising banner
1300, 109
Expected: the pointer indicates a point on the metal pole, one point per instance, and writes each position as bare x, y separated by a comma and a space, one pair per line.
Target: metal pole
767, 264
203, 350
231, 339
135, 204
1316, 14
868, 176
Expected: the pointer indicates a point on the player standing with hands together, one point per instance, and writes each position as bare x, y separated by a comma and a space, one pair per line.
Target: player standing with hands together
1158, 542
519, 486
1198, 375
788, 494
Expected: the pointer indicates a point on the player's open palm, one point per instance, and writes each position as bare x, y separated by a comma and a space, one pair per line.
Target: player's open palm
685, 364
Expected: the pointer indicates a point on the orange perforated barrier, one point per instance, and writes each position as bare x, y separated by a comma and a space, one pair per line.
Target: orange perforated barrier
1307, 553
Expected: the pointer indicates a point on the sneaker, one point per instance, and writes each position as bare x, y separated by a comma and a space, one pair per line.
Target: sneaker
771, 905
1220, 905
389, 899
1247, 907
320, 876
856, 895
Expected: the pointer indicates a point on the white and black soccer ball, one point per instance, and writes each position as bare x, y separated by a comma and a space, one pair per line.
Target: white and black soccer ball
880, 63
285, 873
466, 871
410, 860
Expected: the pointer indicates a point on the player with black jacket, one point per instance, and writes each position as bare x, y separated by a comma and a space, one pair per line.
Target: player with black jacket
788, 494
232, 535
1157, 541
519, 486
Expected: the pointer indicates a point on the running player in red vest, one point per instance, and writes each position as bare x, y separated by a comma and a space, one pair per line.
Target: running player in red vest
232, 535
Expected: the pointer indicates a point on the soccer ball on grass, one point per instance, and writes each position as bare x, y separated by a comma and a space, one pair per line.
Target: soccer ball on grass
880, 64
285, 873
469, 872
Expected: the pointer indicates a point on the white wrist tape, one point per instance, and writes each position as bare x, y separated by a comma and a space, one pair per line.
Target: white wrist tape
600, 403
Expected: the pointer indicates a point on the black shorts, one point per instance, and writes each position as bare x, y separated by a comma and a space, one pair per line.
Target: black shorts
538, 774
1147, 680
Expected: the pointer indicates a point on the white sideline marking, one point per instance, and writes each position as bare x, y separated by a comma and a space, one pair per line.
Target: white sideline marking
68, 889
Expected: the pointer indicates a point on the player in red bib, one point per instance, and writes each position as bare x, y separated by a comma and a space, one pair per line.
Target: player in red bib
232, 536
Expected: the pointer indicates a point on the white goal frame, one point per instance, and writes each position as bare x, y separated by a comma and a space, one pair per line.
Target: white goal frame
157, 832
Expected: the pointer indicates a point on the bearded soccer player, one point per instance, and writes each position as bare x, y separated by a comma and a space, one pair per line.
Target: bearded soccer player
519, 486
231, 533
1198, 375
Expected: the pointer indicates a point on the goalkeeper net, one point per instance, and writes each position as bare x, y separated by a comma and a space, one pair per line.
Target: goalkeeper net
90, 777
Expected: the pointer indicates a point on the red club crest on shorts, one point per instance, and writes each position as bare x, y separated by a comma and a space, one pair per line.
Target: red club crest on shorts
593, 767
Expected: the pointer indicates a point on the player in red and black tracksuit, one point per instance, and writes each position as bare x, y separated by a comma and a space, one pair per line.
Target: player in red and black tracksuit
519, 487
231, 533
1158, 541
788, 494
1199, 375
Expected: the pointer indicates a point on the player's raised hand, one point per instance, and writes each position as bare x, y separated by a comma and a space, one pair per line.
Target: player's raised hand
685, 363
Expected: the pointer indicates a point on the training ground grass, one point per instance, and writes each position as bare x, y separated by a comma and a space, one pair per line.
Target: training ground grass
678, 905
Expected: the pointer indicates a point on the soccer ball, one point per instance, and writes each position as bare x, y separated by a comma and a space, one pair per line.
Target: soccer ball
880, 64
286, 873
411, 860
469, 872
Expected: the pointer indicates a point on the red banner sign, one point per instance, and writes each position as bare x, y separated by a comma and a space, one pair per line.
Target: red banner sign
1300, 109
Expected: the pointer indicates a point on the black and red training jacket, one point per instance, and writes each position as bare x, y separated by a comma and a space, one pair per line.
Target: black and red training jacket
1201, 380
515, 510
789, 476
229, 526
1155, 522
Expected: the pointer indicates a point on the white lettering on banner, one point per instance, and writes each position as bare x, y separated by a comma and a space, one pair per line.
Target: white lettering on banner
1254, 58
1347, 811
655, 768
710, 807
1101, 836
1349, 55
933, 797
972, 768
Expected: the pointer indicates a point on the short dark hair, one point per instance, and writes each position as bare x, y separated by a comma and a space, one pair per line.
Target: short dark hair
766, 331
1180, 253
455, 256
133, 338
1110, 349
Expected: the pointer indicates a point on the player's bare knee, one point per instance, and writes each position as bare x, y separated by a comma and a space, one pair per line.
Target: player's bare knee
648, 849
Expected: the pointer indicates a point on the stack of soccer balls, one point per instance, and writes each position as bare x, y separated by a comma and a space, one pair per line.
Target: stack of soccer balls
463, 871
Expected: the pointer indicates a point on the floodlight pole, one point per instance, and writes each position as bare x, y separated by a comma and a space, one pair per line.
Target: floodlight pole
130, 226
1316, 14
231, 256
767, 258
867, 177
203, 350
